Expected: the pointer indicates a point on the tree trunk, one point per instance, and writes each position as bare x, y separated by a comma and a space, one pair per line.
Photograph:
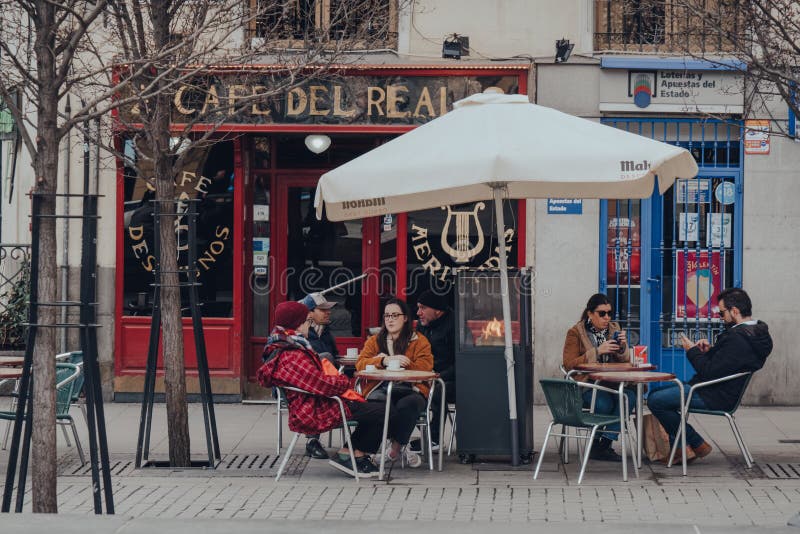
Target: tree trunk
43, 439
171, 322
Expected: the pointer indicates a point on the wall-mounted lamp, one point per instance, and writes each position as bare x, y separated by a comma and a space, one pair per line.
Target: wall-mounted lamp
455, 46
318, 143
563, 50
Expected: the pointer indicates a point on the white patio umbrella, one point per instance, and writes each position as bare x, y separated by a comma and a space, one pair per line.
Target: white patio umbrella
500, 146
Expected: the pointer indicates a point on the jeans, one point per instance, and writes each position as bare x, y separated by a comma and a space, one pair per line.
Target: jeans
406, 407
607, 404
665, 404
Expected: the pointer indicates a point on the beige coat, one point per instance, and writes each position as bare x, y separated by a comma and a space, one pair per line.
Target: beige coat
579, 349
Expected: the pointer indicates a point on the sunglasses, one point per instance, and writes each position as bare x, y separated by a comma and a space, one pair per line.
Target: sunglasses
604, 313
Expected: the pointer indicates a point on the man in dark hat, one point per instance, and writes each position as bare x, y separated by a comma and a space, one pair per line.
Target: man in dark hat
435, 322
289, 361
322, 341
319, 334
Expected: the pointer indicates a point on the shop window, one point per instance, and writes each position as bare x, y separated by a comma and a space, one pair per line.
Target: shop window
444, 240
261, 274
365, 23
212, 183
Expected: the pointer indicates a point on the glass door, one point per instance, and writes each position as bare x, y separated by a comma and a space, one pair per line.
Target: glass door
314, 255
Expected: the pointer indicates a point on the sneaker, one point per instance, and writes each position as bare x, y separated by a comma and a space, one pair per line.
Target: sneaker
315, 449
412, 459
365, 467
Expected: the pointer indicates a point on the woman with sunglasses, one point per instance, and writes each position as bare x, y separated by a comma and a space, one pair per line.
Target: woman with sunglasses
397, 341
595, 338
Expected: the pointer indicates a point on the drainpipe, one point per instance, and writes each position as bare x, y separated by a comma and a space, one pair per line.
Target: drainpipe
65, 251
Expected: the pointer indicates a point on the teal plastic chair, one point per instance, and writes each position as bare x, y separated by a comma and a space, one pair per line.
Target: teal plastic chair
66, 376
737, 434
565, 401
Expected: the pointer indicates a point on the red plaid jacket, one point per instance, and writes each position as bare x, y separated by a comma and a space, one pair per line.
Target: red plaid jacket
308, 414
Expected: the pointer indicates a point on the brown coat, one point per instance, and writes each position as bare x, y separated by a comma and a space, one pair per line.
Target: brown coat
418, 351
579, 349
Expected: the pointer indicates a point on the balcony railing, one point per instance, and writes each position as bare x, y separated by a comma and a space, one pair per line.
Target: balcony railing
666, 26
14, 294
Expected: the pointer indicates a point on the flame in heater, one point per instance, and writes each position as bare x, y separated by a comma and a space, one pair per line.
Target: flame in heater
493, 329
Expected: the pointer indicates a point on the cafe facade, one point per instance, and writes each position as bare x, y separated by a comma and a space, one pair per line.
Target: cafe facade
259, 241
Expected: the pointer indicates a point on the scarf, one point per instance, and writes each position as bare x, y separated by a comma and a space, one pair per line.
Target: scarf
285, 339
597, 337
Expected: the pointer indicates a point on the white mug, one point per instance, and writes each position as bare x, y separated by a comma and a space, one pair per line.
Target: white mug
352, 352
369, 368
393, 365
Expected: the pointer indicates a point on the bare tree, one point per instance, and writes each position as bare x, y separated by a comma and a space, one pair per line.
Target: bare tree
39, 42
166, 50
763, 34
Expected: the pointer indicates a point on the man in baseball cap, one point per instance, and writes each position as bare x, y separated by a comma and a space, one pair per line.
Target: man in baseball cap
323, 342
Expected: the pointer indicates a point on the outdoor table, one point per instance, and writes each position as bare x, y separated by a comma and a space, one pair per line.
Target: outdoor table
390, 377
640, 378
598, 367
345, 362
12, 361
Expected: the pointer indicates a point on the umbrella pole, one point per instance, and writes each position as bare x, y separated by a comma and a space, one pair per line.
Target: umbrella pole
497, 190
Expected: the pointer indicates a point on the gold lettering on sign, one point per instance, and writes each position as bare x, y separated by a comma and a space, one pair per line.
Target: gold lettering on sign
296, 102
424, 101
393, 96
212, 99
377, 102
312, 109
338, 110
179, 101
257, 90
233, 96
442, 100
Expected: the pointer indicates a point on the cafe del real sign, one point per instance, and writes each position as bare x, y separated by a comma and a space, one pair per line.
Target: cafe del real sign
263, 99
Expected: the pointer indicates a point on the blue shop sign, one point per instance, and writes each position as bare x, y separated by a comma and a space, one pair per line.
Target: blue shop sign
565, 206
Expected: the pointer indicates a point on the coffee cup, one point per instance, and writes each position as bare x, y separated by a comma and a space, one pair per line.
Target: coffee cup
370, 368
393, 365
352, 352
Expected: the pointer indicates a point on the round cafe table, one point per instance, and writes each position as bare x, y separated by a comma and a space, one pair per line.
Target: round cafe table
640, 378
345, 362
390, 377
598, 367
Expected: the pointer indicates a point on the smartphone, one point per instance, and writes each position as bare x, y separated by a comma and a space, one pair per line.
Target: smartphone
615, 337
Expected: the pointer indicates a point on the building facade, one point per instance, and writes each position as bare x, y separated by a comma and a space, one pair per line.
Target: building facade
662, 260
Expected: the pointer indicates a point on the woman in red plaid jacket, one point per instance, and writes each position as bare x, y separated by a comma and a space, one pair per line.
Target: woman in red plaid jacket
289, 360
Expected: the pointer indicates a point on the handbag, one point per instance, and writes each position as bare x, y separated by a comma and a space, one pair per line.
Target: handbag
656, 440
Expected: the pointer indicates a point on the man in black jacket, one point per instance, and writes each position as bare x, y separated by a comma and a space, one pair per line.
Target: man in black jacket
436, 324
742, 347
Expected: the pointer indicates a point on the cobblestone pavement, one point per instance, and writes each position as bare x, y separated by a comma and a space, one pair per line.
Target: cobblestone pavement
718, 492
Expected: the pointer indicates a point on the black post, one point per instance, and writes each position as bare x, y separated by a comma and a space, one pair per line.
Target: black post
204, 378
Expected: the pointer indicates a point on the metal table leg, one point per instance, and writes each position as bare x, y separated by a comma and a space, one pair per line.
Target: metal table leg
385, 428
683, 423
443, 408
639, 422
622, 428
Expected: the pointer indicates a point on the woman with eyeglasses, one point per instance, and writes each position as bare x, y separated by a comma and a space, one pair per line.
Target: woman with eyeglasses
398, 342
596, 338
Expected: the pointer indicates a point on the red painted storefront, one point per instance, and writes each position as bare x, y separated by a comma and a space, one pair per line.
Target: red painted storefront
235, 341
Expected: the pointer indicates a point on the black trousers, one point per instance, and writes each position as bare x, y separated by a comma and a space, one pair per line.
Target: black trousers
368, 433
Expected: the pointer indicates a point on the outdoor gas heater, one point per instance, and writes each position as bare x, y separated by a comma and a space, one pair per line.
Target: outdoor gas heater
483, 426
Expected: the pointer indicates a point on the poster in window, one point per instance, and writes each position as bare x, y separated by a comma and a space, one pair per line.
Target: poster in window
719, 230
697, 284
623, 255
688, 227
